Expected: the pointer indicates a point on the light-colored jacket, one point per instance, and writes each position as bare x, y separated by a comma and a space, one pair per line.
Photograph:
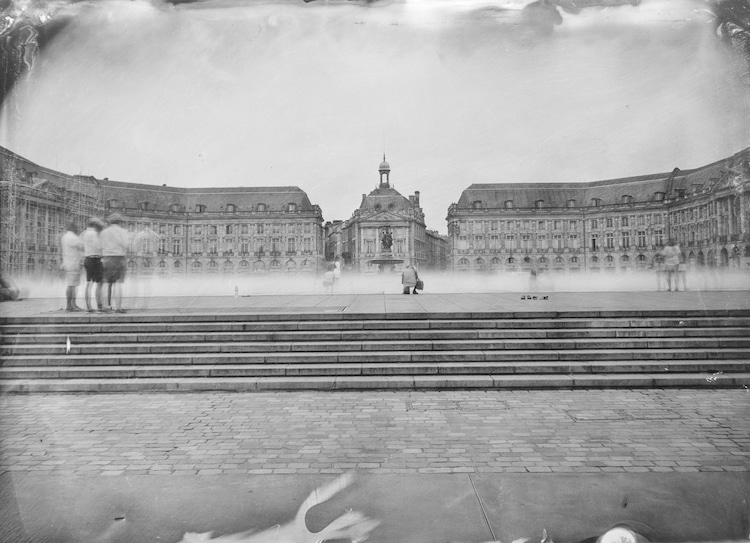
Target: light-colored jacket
115, 241
409, 277
72, 251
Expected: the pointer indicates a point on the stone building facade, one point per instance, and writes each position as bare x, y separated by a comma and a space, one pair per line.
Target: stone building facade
604, 226
174, 230
384, 214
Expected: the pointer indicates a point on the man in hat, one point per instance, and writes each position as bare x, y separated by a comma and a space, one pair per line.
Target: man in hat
115, 243
92, 261
72, 256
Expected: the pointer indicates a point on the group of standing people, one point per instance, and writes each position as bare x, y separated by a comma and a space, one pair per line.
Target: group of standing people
100, 252
670, 265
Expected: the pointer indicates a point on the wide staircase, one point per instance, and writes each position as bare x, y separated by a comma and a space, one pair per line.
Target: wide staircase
343, 351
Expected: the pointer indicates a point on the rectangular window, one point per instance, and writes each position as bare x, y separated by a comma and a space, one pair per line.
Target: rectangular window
510, 242
291, 245
594, 224
626, 240
624, 221
609, 240
557, 241
306, 244
659, 237
259, 229
610, 222
573, 240
641, 239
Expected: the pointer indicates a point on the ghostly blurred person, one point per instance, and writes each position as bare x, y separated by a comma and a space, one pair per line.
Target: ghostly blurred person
658, 267
671, 263
115, 243
682, 269
143, 248
409, 279
92, 262
72, 258
328, 279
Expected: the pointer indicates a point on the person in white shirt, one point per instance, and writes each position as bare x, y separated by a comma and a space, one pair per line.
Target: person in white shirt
671, 263
115, 243
72, 257
92, 261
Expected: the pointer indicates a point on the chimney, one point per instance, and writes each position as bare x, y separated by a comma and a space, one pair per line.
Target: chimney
416, 196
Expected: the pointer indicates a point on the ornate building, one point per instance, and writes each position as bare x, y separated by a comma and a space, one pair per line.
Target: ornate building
386, 231
174, 230
613, 225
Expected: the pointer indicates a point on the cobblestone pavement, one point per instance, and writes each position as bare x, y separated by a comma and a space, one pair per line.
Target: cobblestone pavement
386, 432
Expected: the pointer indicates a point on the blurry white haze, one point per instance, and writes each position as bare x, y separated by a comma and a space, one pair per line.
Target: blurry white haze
455, 92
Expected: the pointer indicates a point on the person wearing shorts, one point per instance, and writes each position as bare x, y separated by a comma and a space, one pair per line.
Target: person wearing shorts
115, 244
92, 262
72, 255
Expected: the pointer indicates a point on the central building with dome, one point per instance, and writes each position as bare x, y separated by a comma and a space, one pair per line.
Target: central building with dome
387, 231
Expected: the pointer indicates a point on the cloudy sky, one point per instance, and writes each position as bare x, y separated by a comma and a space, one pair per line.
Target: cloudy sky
455, 92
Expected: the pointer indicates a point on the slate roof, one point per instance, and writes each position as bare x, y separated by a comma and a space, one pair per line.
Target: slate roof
214, 199
641, 188
385, 199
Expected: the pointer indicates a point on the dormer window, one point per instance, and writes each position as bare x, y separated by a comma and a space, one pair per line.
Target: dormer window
143, 206
476, 204
200, 208
596, 202
508, 204
291, 207
113, 203
627, 199
261, 208
571, 203
174, 208
659, 196
539, 204
231, 208
680, 193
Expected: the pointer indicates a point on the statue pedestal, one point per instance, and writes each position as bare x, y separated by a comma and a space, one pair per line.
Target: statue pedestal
385, 261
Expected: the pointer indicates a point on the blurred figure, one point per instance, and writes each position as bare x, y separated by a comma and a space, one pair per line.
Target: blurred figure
671, 263
92, 262
409, 279
658, 267
72, 258
143, 248
336, 272
8, 290
533, 283
115, 243
682, 269
329, 278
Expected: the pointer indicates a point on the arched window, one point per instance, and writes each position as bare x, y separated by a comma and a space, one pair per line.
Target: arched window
476, 204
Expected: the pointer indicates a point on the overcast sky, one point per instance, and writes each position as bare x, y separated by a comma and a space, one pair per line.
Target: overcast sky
312, 94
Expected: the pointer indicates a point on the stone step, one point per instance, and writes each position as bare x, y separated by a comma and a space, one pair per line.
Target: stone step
363, 382
698, 343
170, 371
375, 335
47, 325
387, 357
